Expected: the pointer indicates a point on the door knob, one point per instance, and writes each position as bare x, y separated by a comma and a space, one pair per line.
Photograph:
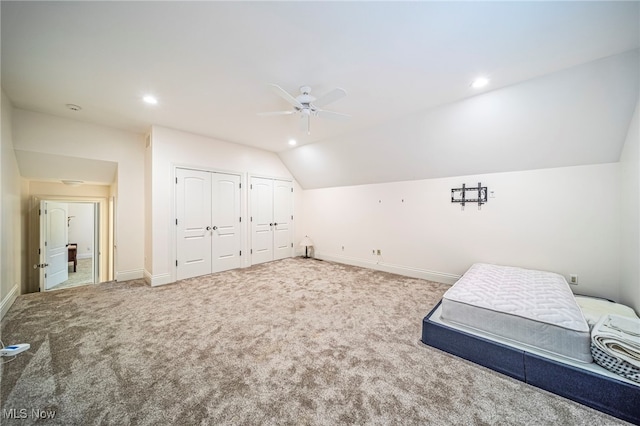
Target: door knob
215, 227
275, 224
208, 228
271, 224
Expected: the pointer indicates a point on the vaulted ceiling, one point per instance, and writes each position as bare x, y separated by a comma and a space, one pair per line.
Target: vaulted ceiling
563, 78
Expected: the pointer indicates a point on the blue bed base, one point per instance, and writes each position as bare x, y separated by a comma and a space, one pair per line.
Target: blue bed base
606, 394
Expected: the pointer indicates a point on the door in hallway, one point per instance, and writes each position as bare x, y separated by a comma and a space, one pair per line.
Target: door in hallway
54, 218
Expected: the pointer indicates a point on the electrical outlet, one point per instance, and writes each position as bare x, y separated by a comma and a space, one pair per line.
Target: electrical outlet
573, 279
379, 252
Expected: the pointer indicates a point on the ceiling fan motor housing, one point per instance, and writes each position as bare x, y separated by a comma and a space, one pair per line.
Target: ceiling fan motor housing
305, 98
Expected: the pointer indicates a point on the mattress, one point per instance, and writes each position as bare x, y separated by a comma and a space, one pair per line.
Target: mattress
534, 308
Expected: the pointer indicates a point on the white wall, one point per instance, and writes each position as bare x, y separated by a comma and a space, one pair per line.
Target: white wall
49, 134
59, 189
11, 265
563, 220
170, 148
81, 226
630, 215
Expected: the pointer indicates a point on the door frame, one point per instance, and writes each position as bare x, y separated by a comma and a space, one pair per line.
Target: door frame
250, 176
105, 232
173, 234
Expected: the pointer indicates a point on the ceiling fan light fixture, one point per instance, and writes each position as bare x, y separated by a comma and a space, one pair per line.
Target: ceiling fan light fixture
306, 106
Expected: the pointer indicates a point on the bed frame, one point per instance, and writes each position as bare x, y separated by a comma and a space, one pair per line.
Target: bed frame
606, 394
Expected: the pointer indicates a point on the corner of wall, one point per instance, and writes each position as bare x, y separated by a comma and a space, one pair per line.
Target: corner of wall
8, 300
11, 212
630, 215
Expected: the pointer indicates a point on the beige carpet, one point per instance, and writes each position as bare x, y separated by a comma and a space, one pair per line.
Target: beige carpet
289, 342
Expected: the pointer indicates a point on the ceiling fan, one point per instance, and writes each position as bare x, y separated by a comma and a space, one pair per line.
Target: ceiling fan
307, 105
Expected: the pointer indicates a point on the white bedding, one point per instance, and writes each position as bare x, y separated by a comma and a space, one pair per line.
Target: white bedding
618, 337
535, 308
594, 309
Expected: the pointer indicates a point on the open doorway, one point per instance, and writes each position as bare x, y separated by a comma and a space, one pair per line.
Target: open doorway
69, 237
82, 245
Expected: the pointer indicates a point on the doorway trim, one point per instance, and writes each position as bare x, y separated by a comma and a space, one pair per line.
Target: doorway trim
104, 231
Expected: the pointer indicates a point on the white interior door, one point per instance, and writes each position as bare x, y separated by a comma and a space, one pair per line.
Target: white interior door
225, 219
193, 195
261, 220
56, 254
282, 207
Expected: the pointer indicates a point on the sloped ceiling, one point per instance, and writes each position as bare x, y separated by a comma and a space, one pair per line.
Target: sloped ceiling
210, 63
574, 117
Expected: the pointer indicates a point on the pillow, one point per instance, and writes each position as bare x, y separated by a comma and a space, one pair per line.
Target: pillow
594, 308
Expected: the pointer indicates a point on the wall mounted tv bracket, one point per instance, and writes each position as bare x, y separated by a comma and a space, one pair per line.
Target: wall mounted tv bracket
469, 195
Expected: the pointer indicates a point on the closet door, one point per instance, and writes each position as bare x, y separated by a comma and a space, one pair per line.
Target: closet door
225, 220
261, 220
282, 208
271, 220
193, 195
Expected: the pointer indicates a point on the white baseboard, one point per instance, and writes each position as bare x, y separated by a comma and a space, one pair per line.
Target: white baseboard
134, 274
147, 277
439, 277
8, 300
156, 280
84, 256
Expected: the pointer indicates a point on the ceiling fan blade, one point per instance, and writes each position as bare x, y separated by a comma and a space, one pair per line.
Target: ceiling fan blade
332, 96
285, 95
331, 115
266, 114
305, 125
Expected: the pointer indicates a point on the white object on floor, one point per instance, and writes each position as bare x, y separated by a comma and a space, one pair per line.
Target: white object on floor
532, 307
591, 367
14, 350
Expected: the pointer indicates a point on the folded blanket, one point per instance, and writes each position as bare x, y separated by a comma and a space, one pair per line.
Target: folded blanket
618, 337
615, 365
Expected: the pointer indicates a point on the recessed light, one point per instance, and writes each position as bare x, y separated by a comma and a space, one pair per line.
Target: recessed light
151, 100
293, 142
479, 82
